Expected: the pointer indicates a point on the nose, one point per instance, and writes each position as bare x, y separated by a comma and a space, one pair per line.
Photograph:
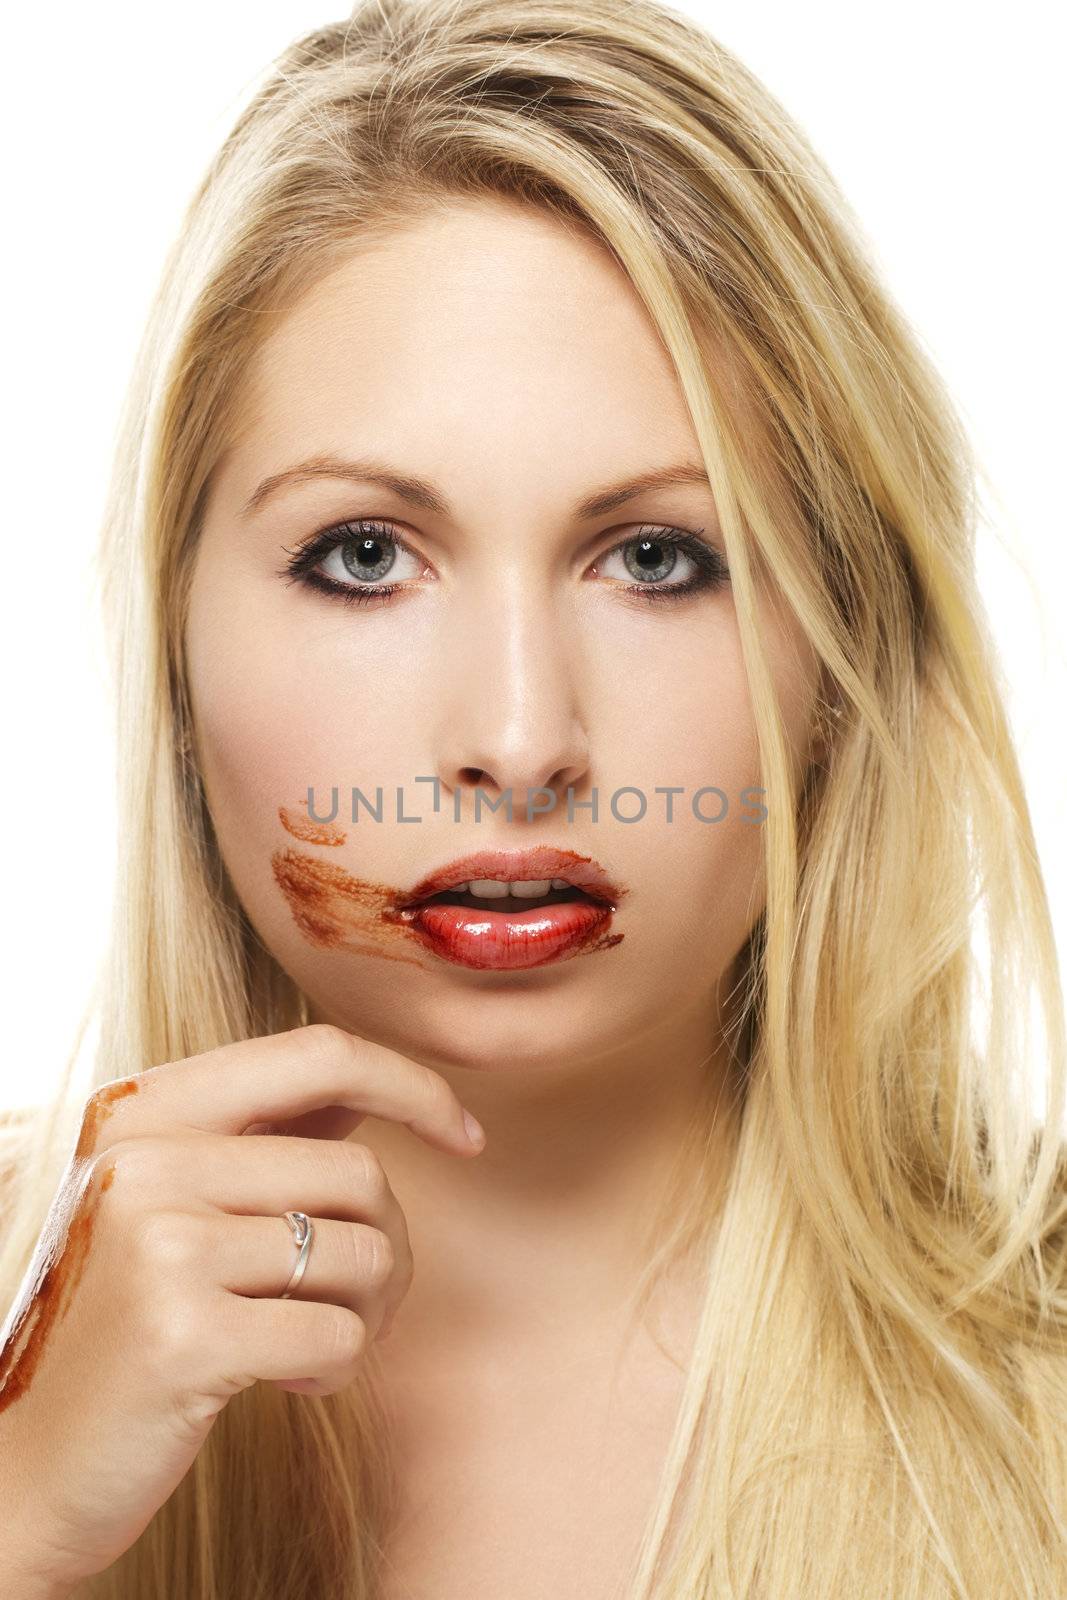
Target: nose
510, 716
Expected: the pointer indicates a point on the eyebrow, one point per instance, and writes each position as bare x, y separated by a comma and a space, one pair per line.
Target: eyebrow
418, 492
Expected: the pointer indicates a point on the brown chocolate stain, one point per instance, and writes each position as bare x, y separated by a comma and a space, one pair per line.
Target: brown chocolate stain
606, 941
300, 825
97, 1112
337, 911
64, 1259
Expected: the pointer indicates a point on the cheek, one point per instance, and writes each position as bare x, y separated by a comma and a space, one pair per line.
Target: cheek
682, 719
679, 712
279, 708
688, 721
283, 700
255, 744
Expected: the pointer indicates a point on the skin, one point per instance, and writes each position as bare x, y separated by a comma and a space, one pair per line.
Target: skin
508, 361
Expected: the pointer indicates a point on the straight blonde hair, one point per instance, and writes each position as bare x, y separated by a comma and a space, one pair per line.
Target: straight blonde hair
876, 1402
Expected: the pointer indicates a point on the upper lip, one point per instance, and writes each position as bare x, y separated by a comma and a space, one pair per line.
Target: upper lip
544, 861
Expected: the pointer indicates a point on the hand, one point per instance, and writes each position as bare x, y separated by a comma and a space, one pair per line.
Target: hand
153, 1296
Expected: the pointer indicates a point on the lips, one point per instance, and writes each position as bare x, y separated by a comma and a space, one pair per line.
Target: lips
472, 935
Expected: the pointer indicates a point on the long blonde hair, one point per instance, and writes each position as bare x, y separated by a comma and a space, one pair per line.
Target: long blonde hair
876, 1402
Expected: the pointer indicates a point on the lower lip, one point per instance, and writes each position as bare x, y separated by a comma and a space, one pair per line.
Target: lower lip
508, 940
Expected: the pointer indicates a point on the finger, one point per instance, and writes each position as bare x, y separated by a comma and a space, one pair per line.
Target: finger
264, 1176
342, 1182
349, 1264
283, 1340
277, 1078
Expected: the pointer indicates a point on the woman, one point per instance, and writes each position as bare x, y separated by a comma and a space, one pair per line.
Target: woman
520, 425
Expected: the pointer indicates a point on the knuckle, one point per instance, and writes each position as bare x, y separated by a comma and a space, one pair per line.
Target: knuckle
372, 1177
102, 1108
173, 1333
325, 1040
406, 1270
166, 1243
331, 1051
331, 1165
346, 1337
379, 1257
129, 1167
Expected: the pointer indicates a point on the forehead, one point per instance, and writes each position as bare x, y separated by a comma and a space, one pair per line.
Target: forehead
482, 334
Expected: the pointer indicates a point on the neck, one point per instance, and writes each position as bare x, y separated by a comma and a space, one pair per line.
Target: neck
584, 1163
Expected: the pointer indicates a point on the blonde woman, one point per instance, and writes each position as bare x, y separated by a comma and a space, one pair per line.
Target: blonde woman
520, 420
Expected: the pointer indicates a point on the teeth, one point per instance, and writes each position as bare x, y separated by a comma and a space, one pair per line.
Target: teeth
494, 889
488, 888
560, 883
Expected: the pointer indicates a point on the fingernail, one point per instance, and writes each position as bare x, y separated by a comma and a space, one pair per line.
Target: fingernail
475, 1131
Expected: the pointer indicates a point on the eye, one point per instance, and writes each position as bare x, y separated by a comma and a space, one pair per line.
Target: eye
368, 557
656, 554
352, 560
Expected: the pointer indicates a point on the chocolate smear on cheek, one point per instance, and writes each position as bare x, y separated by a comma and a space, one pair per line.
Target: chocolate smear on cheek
64, 1255
302, 827
336, 911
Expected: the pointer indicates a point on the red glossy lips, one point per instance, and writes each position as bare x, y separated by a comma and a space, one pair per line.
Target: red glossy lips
514, 938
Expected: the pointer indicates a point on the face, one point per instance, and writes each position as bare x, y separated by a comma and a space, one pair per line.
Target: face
503, 625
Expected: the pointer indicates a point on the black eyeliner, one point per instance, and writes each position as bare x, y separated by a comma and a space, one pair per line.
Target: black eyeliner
300, 568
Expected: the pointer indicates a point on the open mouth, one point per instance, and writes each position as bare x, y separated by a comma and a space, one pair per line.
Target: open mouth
511, 903
494, 916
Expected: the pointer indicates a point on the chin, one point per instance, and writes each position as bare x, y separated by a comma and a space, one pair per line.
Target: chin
499, 1030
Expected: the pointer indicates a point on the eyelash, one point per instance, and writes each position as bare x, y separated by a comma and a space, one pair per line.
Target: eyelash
712, 571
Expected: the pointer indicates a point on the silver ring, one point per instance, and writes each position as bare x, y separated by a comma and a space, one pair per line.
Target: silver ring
303, 1233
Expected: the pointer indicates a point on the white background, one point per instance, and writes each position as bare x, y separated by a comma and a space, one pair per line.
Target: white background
938, 120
